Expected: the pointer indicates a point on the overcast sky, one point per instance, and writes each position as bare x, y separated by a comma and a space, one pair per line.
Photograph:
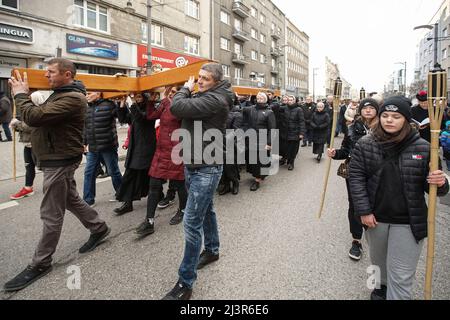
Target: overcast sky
364, 37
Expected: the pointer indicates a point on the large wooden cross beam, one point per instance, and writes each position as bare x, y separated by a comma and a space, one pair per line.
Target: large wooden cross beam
115, 86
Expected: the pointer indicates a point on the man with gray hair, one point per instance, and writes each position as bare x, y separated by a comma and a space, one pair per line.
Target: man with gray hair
207, 110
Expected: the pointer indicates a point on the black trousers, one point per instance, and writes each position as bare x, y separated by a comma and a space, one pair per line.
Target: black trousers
292, 151
155, 194
30, 167
283, 148
356, 228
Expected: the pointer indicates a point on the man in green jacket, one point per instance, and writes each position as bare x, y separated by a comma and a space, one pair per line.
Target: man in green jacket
58, 146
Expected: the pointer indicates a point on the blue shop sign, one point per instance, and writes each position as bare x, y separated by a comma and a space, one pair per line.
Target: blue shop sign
91, 47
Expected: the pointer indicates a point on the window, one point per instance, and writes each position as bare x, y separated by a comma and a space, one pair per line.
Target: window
157, 34
254, 34
444, 54
273, 26
192, 8
274, 81
254, 55
10, 4
274, 44
444, 32
238, 73
262, 38
262, 58
238, 24
253, 12
238, 48
274, 63
224, 17
224, 44
226, 70
262, 18
90, 15
191, 45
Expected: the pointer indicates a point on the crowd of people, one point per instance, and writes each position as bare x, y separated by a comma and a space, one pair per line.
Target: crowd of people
386, 163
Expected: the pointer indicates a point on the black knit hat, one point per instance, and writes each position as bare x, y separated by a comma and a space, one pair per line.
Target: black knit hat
368, 102
398, 104
422, 96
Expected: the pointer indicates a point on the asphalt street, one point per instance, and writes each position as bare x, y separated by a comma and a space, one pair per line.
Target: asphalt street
273, 246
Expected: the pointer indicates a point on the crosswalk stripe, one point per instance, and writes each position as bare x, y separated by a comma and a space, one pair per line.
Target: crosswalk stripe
8, 204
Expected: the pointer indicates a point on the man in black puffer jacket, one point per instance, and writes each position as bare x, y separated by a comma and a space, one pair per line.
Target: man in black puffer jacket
100, 140
388, 176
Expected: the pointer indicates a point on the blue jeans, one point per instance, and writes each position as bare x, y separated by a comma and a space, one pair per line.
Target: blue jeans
199, 219
8, 135
90, 172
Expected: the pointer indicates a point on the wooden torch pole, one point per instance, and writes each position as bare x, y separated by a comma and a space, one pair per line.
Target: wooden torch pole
437, 100
14, 173
336, 101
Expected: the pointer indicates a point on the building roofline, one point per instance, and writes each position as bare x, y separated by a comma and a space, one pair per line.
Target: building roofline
292, 23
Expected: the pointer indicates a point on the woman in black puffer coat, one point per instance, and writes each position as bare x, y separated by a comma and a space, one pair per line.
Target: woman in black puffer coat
389, 175
366, 120
260, 117
319, 124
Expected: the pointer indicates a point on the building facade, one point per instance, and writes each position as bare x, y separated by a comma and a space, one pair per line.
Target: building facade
102, 37
331, 74
248, 37
426, 50
247, 41
297, 61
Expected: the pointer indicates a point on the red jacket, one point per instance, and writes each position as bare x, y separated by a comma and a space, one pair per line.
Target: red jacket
162, 165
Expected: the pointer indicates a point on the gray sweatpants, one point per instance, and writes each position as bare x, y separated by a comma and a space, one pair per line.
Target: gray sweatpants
394, 249
60, 193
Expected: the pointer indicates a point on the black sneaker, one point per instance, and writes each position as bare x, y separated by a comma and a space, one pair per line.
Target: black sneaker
94, 240
179, 292
125, 208
254, 186
145, 228
26, 277
355, 251
206, 258
291, 167
177, 218
379, 294
166, 202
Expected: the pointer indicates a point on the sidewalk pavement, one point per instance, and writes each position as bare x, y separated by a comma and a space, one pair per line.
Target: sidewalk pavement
6, 158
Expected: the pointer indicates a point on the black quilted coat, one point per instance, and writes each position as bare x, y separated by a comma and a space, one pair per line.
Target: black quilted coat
414, 161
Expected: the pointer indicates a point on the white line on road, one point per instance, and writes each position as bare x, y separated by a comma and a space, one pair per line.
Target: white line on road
8, 204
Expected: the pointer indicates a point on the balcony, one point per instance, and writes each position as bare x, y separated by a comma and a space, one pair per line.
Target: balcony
241, 35
239, 58
275, 52
275, 70
276, 34
241, 9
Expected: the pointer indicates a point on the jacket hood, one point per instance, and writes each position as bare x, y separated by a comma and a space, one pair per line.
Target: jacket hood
224, 88
75, 86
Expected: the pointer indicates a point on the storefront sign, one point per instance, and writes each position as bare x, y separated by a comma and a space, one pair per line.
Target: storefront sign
8, 63
91, 47
165, 59
15, 33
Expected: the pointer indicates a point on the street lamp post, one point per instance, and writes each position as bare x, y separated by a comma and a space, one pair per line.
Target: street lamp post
436, 38
314, 84
129, 9
404, 75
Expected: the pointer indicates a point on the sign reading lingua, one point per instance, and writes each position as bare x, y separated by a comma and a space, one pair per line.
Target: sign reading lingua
15, 33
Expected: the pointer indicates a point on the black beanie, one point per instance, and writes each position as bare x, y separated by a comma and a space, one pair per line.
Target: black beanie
398, 104
368, 102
